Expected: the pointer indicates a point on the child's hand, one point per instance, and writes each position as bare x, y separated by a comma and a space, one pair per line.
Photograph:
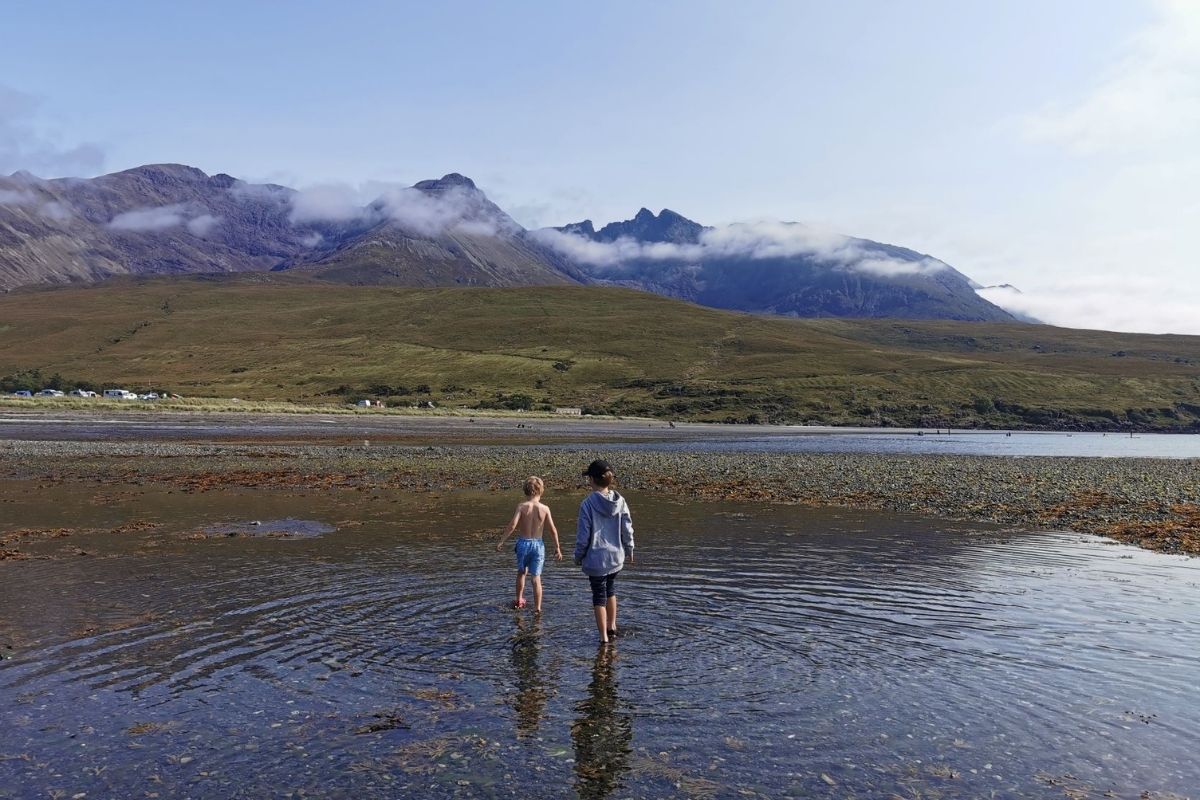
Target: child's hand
558, 555
498, 546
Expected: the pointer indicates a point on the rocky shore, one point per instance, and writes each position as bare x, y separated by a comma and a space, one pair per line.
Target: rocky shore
1152, 503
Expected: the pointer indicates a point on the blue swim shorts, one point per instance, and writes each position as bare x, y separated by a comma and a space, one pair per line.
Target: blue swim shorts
531, 555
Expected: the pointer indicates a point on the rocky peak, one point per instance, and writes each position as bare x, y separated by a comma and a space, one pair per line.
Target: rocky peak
585, 228
161, 172
668, 226
445, 183
223, 181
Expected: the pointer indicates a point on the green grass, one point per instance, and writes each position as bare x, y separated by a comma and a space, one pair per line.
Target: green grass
282, 339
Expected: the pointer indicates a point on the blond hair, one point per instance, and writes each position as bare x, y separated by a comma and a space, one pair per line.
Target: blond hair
534, 486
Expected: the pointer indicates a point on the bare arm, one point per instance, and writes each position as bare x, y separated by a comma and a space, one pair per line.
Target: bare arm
512, 526
554, 532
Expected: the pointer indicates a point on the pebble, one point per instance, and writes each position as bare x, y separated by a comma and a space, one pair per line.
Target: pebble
1154, 503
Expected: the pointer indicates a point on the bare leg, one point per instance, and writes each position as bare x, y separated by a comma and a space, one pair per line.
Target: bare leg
601, 621
520, 586
612, 613
537, 593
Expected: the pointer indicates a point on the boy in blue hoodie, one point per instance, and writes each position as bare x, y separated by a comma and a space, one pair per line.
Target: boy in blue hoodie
603, 540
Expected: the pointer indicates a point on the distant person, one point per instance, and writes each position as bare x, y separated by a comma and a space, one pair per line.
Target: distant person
530, 518
603, 540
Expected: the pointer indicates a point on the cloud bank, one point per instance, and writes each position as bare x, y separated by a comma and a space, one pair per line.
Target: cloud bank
56, 211
14, 197
24, 198
764, 239
156, 218
201, 225
153, 219
453, 208
1133, 305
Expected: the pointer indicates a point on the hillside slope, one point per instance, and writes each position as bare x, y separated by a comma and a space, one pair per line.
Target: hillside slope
608, 349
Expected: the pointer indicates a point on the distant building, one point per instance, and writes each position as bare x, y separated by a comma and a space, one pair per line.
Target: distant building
570, 412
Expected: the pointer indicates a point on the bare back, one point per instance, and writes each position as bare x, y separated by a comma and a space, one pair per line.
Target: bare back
531, 517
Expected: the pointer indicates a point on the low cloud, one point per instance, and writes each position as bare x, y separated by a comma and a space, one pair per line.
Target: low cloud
326, 203
583, 250
201, 225
260, 192
24, 198
16, 197
893, 267
28, 142
426, 214
757, 240
456, 208
1099, 303
55, 210
149, 219
152, 219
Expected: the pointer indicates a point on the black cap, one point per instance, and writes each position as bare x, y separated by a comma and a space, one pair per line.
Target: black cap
597, 468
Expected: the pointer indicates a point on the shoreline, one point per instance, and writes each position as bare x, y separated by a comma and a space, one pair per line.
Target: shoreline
284, 412
81, 422
1148, 502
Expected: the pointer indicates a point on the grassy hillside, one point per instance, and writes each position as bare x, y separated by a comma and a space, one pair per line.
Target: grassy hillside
275, 337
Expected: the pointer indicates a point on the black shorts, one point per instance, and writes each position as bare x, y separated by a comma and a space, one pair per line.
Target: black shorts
602, 588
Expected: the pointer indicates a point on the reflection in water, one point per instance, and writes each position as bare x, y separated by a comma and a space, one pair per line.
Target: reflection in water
602, 733
890, 655
532, 690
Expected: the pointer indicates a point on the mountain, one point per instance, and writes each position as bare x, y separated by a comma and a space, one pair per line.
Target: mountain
778, 268
173, 219
645, 227
442, 232
168, 219
156, 219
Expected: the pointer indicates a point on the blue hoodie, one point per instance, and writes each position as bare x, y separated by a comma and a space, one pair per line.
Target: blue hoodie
604, 534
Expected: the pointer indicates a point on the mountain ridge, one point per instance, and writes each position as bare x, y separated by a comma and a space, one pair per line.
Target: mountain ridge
798, 272
170, 219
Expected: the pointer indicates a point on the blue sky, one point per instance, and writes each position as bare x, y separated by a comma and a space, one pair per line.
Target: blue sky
1050, 145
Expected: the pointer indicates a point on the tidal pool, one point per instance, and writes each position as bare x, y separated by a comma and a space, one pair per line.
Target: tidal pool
766, 652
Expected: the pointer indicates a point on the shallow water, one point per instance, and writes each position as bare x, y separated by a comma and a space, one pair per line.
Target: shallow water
767, 651
579, 432
970, 443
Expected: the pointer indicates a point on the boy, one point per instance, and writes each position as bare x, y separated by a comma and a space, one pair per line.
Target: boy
530, 517
603, 541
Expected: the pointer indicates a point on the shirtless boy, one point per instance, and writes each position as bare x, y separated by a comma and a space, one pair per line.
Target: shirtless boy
529, 519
